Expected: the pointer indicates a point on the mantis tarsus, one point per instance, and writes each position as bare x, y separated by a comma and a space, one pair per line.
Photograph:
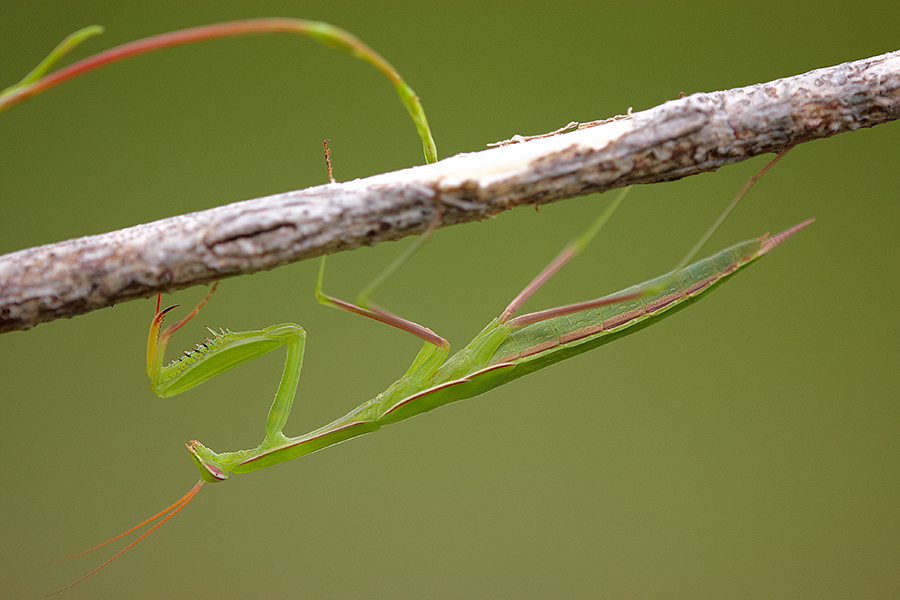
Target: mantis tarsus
506, 349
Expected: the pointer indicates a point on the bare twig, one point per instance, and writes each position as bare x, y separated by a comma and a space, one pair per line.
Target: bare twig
682, 137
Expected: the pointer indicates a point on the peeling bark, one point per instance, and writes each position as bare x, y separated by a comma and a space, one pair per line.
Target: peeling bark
691, 135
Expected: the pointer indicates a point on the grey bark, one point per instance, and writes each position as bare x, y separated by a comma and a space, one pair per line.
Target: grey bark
682, 137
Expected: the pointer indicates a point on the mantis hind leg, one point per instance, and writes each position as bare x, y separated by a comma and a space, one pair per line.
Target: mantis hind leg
578, 244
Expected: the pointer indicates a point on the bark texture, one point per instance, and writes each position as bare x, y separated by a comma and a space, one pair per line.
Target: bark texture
694, 134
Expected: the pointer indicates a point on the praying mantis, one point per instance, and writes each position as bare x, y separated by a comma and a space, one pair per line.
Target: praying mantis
509, 347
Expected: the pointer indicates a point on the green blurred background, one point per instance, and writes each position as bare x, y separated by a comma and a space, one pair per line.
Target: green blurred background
746, 448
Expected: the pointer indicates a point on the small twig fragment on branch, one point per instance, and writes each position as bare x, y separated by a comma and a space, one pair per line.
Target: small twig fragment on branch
682, 137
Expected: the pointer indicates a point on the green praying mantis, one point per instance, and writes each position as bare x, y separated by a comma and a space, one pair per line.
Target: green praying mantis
507, 348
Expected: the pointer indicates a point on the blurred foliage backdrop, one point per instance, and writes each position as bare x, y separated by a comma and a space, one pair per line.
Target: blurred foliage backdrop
747, 447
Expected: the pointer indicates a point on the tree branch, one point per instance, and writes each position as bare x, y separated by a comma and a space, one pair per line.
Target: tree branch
682, 137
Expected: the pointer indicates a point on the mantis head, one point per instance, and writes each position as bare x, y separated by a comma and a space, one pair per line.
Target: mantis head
207, 461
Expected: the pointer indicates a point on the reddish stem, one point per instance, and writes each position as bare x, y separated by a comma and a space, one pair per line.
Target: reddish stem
180, 38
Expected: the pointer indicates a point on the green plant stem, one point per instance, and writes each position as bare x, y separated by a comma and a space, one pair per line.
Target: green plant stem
323, 32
